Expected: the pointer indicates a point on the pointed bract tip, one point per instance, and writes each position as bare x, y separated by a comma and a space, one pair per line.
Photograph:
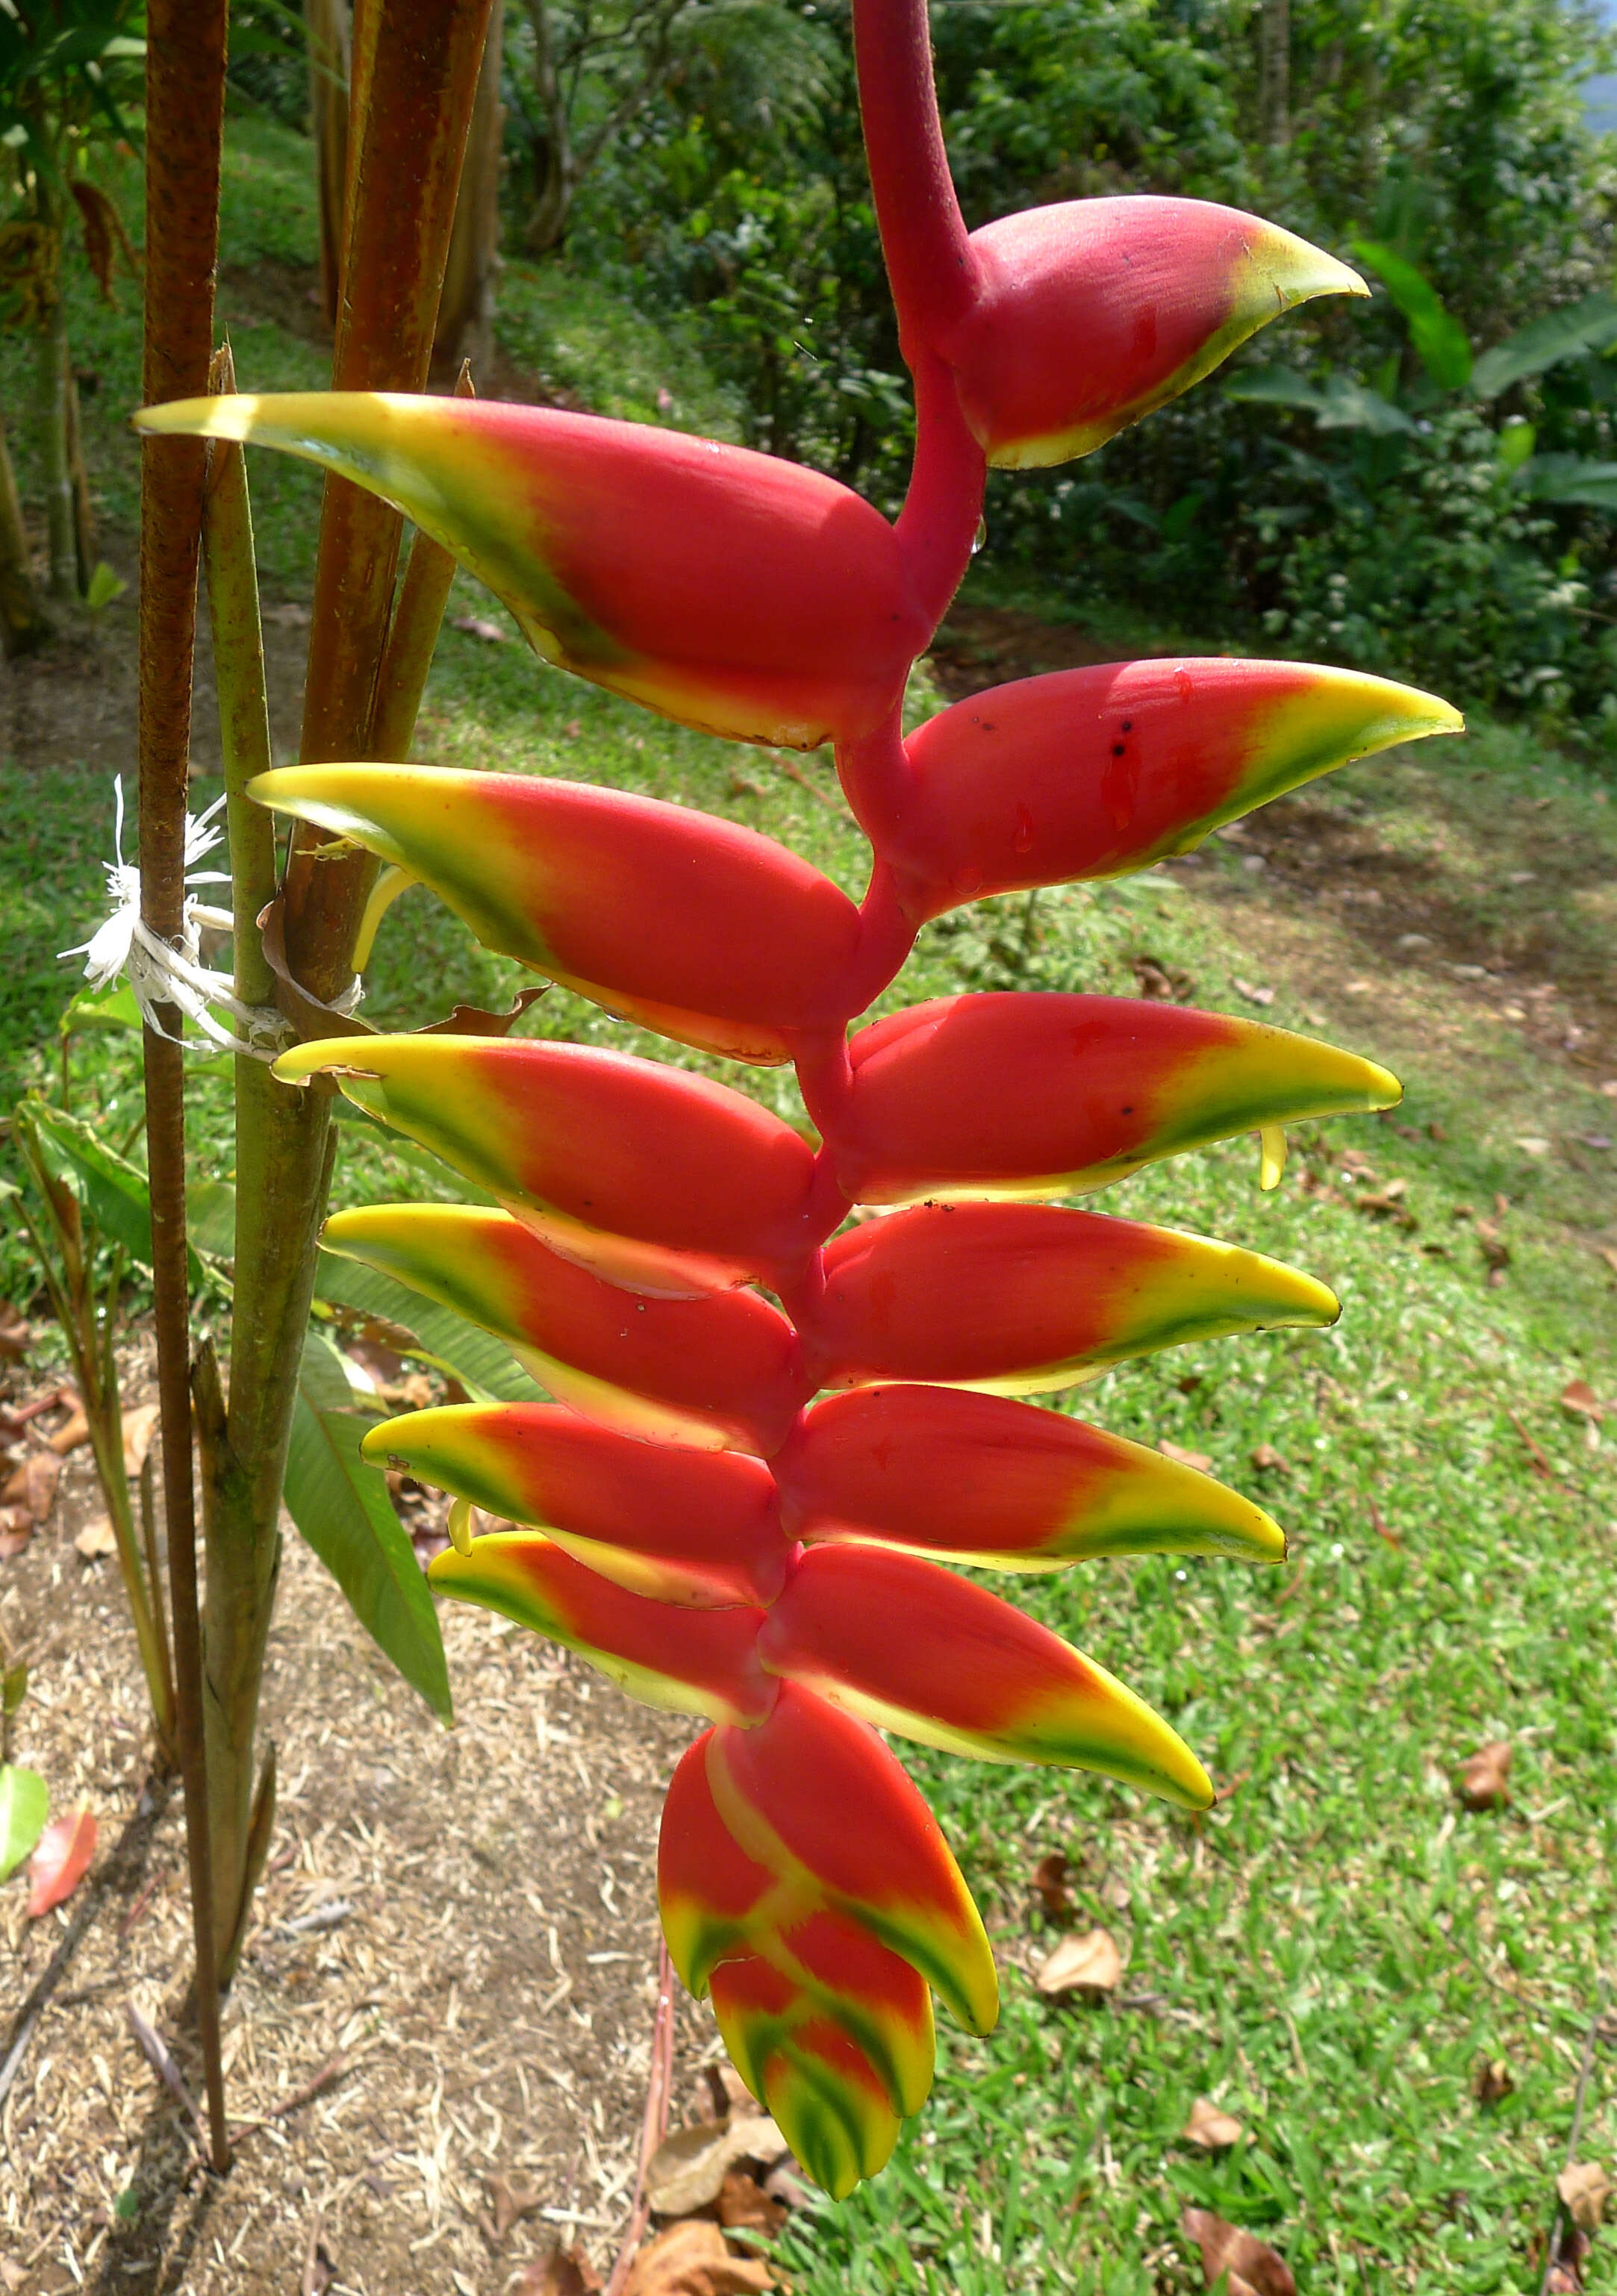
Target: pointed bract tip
1300, 271
225, 417
300, 1063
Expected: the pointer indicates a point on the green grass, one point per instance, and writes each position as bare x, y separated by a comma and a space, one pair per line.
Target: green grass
1335, 1950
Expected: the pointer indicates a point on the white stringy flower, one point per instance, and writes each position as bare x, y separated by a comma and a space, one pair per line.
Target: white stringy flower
159, 974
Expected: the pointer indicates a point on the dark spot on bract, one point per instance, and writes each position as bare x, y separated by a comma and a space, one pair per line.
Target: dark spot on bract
1117, 749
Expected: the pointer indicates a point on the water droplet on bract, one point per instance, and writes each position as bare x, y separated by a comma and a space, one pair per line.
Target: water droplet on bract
981, 537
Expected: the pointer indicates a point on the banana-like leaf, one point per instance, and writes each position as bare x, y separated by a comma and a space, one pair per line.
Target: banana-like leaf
1022, 1299
1440, 343
1089, 315
720, 1373
733, 591
115, 1194
1570, 478
691, 1661
483, 1366
341, 1505
696, 927
1094, 773
652, 1176
969, 1672
1020, 1093
979, 1479
1572, 332
680, 1526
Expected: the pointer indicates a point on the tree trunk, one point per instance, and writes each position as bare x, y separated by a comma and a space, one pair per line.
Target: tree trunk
465, 315
555, 175
24, 623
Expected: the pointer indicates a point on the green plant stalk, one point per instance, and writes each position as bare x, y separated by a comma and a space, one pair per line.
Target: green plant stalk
420, 59
51, 402
24, 623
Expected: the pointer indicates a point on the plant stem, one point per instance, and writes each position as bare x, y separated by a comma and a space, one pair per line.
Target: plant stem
186, 118
24, 623
924, 237
53, 404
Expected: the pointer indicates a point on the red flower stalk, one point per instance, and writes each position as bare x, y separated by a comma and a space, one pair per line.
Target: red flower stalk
698, 1524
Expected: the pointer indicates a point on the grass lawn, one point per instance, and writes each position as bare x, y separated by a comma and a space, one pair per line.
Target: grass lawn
1336, 1951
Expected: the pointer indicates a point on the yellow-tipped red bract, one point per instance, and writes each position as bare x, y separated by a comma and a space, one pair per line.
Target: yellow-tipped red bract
733, 591
678, 1525
1022, 1299
980, 1479
1020, 1093
913, 1649
1088, 316
721, 1373
663, 1653
700, 928
650, 1175
1092, 773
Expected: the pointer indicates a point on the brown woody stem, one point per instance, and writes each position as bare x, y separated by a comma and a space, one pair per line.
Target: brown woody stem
186, 121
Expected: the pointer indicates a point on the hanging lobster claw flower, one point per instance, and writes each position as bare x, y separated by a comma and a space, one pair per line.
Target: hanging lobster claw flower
1089, 315
978, 1479
1021, 1299
690, 1661
832, 2028
731, 591
1035, 1094
676, 1525
968, 1672
720, 1373
814, 1797
1092, 773
696, 927
651, 1176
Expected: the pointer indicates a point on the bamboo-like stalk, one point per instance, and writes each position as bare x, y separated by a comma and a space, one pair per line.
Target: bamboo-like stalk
414, 71
52, 400
184, 135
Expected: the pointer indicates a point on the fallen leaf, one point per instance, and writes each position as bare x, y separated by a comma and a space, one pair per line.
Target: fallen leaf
139, 1427
1211, 2127
1253, 2268
33, 1485
564, 2272
62, 1860
511, 2202
97, 1538
691, 2260
1381, 1526
1584, 2188
24, 1801
1200, 1460
745, 2206
478, 626
1268, 1460
70, 1435
783, 2184
1088, 1963
1050, 1883
16, 1529
16, 1338
1253, 993
1609, 1254
723, 2092
1482, 1780
1492, 2081
688, 2170
1579, 1398
1530, 1144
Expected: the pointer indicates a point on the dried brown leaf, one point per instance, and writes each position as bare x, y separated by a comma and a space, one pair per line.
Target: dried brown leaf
688, 2170
140, 1425
691, 2260
721, 2092
16, 1529
564, 2272
510, 2199
1268, 1460
1483, 1779
33, 1485
745, 2206
1584, 2188
16, 1338
1200, 1460
1381, 1526
1212, 2127
1088, 1963
1253, 993
1492, 2081
1050, 1883
1579, 1398
62, 1859
1253, 2266
97, 1538
478, 626
70, 1435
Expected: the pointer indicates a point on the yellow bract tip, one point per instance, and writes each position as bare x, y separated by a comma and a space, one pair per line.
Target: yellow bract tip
1272, 1140
460, 1526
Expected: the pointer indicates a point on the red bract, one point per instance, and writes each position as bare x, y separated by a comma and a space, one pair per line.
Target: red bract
694, 1521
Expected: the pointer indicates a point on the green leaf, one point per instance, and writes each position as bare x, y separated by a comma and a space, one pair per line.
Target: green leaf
1349, 405
1274, 386
339, 1503
110, 1008
104, 586
114, 1192
1570, 478
483, 1364
1591, 325
210, 1218
25, 1803
13, 1687
1441, 343
1516, 444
